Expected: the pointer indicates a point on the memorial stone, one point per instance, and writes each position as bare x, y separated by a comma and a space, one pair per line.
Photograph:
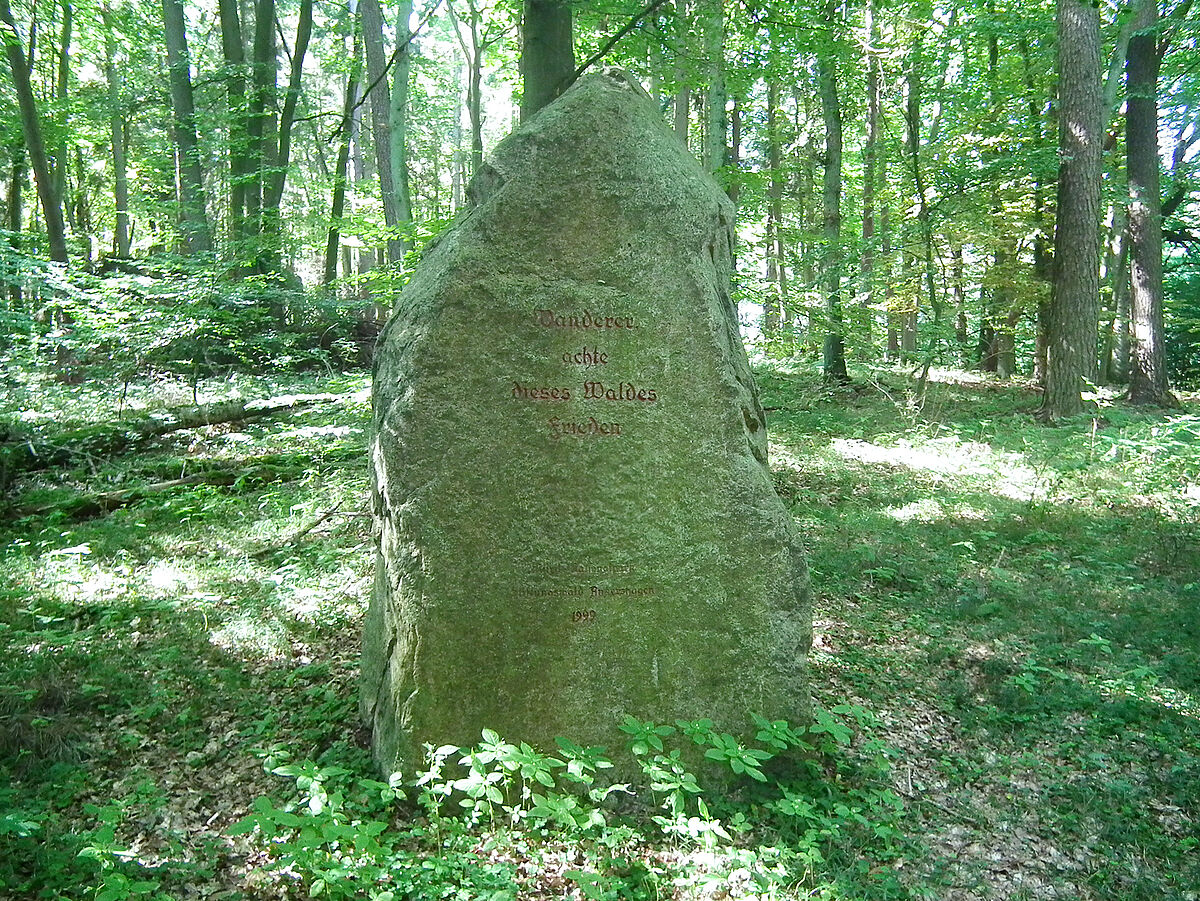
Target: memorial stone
574, 512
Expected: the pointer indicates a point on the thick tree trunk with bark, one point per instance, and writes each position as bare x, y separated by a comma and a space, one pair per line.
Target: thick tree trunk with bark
192, 202
1147, 359
31, 128
547, 53
1074, 306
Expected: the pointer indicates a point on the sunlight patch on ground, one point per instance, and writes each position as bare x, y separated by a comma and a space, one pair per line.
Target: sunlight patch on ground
251, 636
1142, 685
339, 596
73, 577
933, 510
320, 431
781, 457
168, 578
1006, 474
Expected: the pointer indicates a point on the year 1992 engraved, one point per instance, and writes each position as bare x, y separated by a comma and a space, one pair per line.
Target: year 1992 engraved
583, 616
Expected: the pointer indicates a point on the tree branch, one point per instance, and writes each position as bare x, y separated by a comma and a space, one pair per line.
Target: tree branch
614, 40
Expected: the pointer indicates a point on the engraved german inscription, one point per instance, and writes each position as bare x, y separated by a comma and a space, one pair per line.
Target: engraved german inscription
584, 320
622, 391
592, 428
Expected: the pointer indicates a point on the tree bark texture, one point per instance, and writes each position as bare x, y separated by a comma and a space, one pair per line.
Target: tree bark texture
1147, 359
547, 53
31, 128
682, 103
193, 204
1114, 357
1075, 301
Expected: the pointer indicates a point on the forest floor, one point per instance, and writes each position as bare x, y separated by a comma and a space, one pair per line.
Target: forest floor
1007, 661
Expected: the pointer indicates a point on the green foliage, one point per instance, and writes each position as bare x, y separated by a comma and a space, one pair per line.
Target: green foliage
1182, 314
345, 834
173, 315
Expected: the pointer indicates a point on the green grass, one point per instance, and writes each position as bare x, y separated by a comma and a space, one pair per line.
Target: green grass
1022, 606
1010, 612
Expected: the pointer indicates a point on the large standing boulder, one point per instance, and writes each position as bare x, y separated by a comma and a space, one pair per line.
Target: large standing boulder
575, 515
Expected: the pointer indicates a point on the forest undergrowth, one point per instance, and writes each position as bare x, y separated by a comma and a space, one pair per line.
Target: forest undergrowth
1006, 670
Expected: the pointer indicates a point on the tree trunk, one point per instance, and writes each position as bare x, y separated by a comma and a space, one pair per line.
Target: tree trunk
399, 115
21, 453
681, 106
1075, 300
1114, 353
31, 127
834, 355
1147, 360
15, 210
547, 53
240, 163
473, 58
381, 127
776, 261
276, 179
892, 353
337, 208
961, 333
193, 204
116, 120
912, 111
61, 93
716, 136
870, 153
260, 116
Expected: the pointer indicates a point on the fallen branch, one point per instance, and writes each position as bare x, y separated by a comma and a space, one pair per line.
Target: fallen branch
27, 453
86, 506
296, 538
